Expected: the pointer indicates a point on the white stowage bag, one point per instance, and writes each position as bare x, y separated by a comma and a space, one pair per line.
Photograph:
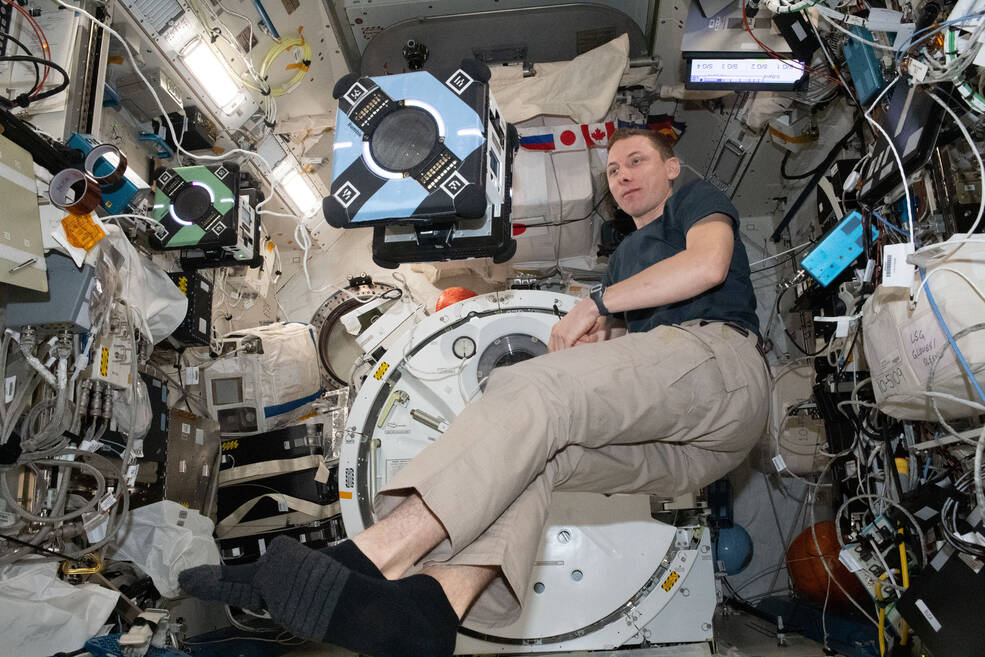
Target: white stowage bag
41, 615
283, 381
582, 88
160, 305
901, 345
165, 538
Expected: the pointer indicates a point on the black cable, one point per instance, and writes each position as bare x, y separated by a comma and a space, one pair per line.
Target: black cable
24, 100
815, 178
795, 176
568, 221
37, 69
793, 341
35, 547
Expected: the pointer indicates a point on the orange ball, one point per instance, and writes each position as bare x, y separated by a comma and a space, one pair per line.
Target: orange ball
453, 295
807, 572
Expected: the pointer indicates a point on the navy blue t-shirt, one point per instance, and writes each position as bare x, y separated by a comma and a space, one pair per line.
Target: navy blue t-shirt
733, 300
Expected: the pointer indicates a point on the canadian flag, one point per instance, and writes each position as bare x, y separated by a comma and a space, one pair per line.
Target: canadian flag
597, 134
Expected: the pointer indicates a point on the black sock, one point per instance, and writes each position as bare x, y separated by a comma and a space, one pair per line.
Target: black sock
316, 597
234, 584
230, 584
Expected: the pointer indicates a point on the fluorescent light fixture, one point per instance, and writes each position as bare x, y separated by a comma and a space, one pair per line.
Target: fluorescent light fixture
207, 68
300, 192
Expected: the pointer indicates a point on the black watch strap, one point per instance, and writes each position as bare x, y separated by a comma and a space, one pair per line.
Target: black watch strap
596, 295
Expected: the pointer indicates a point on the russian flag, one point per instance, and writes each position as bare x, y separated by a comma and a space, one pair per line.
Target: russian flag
538, 142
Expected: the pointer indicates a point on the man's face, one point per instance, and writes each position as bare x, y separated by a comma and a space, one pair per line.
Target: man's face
639, 178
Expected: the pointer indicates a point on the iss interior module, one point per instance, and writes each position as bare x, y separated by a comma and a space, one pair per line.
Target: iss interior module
607, 574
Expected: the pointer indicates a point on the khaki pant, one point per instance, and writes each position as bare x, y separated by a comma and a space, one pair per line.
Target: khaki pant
663, 412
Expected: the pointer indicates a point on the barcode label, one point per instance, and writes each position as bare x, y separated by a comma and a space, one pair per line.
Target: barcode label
896, 271
107, 502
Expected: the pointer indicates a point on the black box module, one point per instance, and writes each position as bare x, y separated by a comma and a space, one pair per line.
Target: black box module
944, 604
490, 236
247, 249
156, 440
271, 484
197, 325
197, 131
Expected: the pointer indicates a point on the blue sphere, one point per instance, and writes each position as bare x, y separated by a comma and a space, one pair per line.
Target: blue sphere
734, 549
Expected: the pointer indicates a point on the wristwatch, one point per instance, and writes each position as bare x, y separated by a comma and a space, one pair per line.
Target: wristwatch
596, 296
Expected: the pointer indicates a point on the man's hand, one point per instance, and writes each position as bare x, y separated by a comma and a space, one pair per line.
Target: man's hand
605, 328
577, 324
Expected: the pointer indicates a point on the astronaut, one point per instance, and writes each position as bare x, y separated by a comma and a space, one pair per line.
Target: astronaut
653, 384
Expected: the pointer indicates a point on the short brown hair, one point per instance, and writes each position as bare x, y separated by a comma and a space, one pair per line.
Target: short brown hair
660, 142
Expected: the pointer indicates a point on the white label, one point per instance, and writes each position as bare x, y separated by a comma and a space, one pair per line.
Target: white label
186, 428
199, 437
205, 470
918, 69
282, 504
191, 375
262, 544
138, 448
393, 466
107, 502
779, 463
799, 31
90, 445
9, 388
182, 466
929, 615
132, 474
203, 326
7, 518
323, 473
896, 271
851, 563
95, 526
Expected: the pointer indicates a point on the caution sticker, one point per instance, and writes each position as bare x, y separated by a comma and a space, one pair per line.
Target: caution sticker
82, 231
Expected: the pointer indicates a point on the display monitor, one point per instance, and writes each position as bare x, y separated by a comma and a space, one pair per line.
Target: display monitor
746, 74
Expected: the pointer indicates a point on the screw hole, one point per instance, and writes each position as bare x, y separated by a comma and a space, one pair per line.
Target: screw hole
539, 587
